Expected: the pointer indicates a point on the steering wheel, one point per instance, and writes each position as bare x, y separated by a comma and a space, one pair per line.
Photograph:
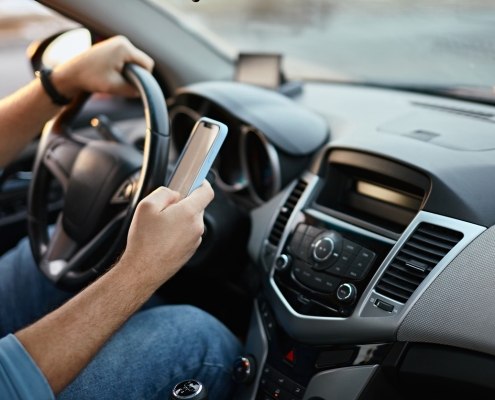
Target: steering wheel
103, 181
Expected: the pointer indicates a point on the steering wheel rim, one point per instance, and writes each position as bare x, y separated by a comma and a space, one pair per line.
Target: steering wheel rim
72, 264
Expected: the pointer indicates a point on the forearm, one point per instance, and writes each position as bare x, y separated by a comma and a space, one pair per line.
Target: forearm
65, 341
22, 116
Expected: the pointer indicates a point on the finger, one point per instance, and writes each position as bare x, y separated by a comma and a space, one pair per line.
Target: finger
162, 197
141, 58
200, 198
127, 90
134, 55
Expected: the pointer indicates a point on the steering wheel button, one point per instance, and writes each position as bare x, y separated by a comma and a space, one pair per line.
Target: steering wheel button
351, 247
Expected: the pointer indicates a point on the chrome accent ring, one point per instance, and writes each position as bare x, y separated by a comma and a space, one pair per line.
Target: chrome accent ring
332, 244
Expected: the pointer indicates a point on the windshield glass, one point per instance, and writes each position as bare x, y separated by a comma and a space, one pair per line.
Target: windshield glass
434, 42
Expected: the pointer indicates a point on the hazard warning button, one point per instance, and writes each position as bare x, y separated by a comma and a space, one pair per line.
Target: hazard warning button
290, 357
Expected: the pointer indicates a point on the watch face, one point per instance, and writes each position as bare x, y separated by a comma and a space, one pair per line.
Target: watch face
187, 389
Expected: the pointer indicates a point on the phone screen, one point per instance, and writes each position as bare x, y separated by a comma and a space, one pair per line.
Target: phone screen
193, 157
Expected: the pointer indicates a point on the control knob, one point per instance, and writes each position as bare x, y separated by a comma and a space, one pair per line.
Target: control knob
244, 370
323, 249
282, 262
347, 293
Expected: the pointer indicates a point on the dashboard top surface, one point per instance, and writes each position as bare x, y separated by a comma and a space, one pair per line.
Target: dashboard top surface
449, 140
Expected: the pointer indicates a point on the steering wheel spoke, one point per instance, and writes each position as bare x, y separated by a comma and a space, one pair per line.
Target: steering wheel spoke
60, 250
64, 255
59, 158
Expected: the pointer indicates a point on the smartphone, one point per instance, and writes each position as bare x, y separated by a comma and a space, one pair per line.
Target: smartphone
198, 155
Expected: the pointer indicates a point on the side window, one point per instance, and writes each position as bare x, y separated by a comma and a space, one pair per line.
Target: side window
22, 22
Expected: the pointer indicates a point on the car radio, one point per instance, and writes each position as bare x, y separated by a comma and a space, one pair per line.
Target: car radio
324, 268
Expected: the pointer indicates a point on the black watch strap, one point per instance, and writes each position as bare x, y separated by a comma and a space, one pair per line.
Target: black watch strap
56, 97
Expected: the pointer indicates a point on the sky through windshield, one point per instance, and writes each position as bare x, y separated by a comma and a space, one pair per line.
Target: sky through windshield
401, 41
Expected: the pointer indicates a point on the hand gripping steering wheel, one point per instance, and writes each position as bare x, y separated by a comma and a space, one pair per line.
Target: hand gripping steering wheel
103, 181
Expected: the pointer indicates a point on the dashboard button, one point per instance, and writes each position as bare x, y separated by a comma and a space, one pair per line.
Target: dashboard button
302, 228
267, 371
330, 284
313, 231
355, 273
338, 269
361, 264
306, 242
303, 273
302, 253
295, 241
366, 254
346, 258
351, 247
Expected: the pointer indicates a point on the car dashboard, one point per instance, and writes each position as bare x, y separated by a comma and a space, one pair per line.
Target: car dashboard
367, 248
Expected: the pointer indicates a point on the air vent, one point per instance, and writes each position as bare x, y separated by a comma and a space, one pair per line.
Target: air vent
285, 213
419, 255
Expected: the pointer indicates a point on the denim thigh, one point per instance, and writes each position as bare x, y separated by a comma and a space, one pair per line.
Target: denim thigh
155, 350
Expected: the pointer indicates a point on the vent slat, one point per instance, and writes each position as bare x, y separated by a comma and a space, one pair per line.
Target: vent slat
441, 233
430, 249
421, 255
285, 213
401, 273
426, 247
407, 287
428, 240
392, 292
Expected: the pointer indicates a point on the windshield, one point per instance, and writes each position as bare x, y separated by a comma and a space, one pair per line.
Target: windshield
427, 42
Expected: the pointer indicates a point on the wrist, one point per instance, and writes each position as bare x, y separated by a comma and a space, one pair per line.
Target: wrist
64, 82
139, 272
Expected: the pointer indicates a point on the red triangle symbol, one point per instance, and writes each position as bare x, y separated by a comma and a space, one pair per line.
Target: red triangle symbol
290, 356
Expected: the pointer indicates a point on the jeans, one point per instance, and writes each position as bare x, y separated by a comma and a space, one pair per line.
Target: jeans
157, 348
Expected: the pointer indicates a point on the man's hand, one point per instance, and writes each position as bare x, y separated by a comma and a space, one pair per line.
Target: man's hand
165, 232
97, 70
100, 69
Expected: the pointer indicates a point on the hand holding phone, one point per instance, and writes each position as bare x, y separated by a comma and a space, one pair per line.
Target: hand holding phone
198, 156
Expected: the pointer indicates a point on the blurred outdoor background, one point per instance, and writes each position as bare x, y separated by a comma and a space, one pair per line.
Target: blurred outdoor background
445, 42
21, 22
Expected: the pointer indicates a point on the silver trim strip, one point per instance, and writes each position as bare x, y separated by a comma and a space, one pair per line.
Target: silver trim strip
274, 163
257, 345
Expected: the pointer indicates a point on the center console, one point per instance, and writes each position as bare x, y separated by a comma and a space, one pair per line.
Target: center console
324, 269
343, 254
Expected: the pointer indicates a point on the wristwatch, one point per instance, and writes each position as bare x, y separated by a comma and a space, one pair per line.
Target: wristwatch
57, 98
